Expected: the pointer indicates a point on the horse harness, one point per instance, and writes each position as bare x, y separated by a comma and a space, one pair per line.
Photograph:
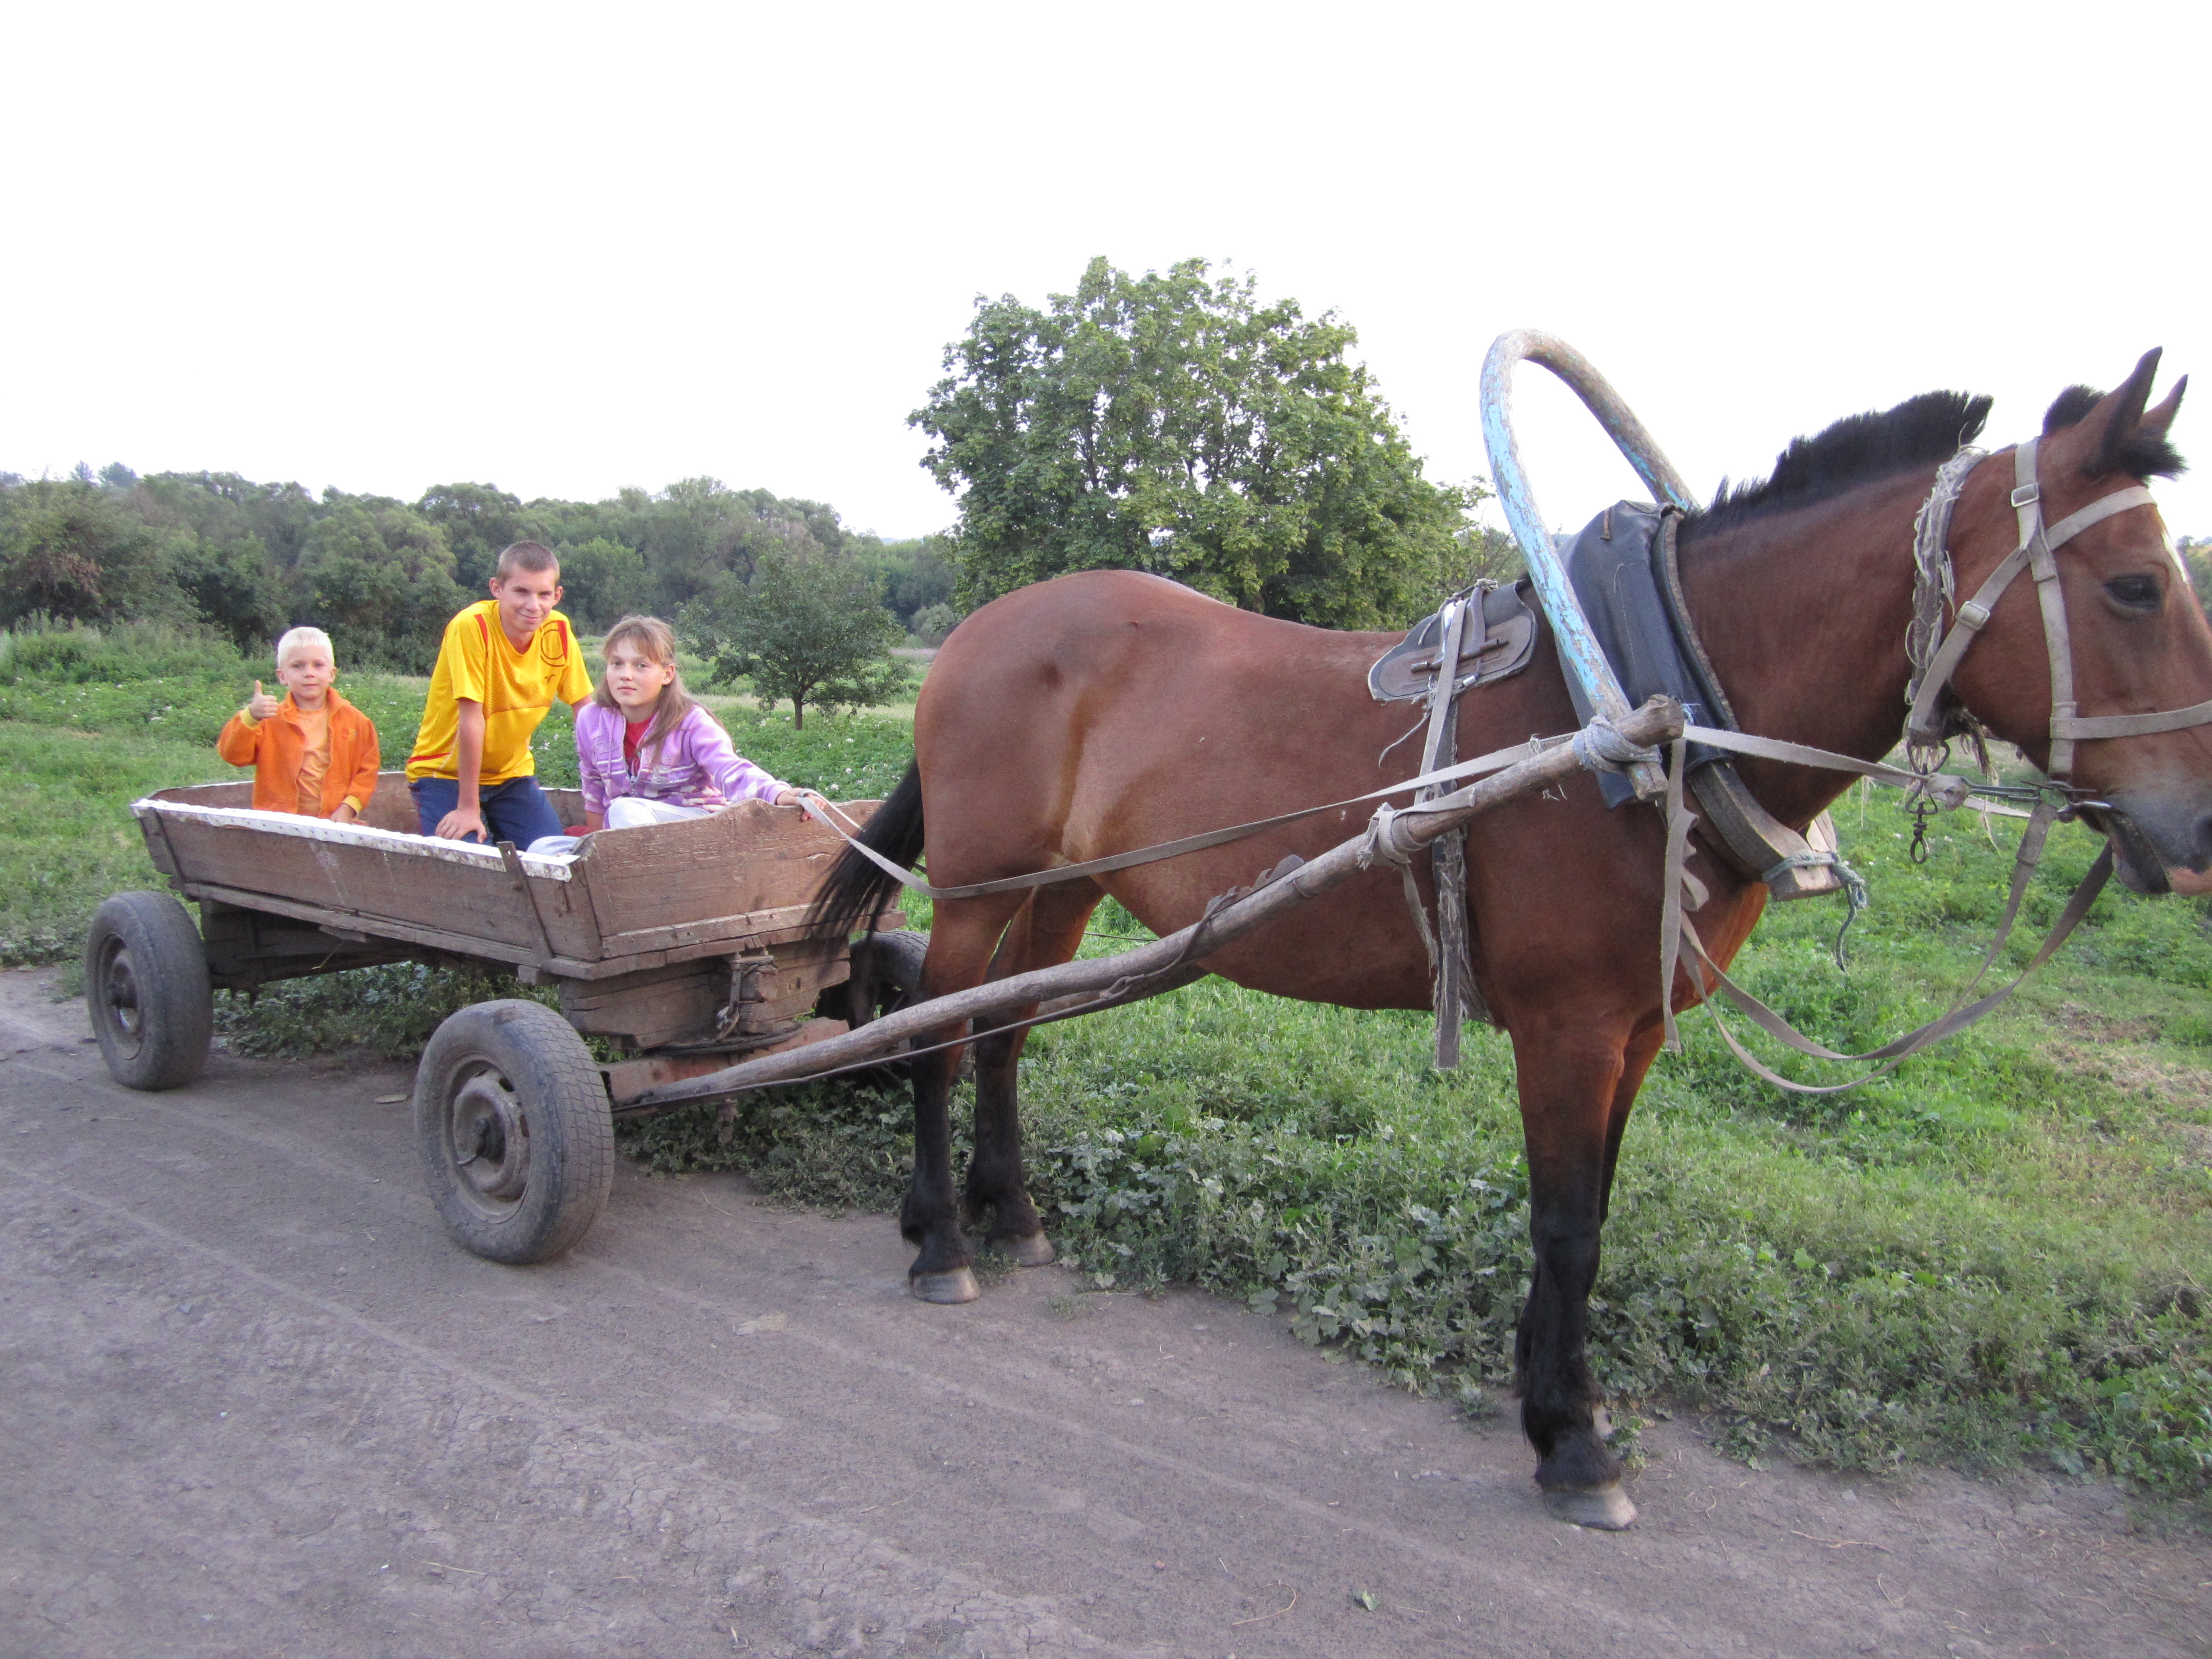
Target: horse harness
1936, 656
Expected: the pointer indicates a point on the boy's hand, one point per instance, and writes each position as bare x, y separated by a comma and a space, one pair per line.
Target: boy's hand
261, 705
461, 821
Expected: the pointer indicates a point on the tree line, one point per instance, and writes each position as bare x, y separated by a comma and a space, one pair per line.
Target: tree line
1169, 422
383, 575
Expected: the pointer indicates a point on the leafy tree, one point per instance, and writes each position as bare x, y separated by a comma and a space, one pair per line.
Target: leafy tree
1172, 423
478, 519
72, 550
933, 623
235, 587
808, 626
380, 577
601, 580
914, 574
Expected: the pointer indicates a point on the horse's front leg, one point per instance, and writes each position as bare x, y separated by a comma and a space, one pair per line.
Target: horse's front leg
1048, 931
996, 1181
1575, 1089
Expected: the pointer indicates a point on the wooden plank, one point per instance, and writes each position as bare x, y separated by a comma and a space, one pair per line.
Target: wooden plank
669, 1005
437, 938
392, 883
628, 1078
659, 887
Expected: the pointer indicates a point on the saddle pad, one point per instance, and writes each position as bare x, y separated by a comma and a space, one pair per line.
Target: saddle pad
1501, 650
1610, 567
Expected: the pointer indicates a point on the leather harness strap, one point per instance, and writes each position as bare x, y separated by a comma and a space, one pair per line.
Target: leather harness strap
2037, 553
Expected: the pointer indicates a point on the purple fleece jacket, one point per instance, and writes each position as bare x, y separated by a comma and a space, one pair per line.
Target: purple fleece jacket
694, 765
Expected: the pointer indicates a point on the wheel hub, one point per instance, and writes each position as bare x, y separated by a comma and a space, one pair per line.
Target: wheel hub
118, 995
489, 1138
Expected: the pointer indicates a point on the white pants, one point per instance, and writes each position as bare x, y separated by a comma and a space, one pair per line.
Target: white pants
623, 812
635, 811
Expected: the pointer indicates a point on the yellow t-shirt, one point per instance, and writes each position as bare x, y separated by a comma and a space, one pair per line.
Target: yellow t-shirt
516, 687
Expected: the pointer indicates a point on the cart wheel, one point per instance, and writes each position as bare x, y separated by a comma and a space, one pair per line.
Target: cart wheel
146, 984
517, 1138
886, 974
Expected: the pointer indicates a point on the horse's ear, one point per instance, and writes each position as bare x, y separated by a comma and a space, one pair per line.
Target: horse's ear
2154, 425
2123, 413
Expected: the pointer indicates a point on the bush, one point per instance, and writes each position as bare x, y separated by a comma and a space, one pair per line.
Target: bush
934, 624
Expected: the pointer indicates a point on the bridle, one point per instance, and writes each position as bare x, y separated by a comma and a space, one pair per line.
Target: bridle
1935, 655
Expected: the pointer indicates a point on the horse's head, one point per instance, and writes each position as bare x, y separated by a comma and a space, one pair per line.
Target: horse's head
2130, 632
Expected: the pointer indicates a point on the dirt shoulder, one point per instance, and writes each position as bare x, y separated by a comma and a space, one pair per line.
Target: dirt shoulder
258, 1405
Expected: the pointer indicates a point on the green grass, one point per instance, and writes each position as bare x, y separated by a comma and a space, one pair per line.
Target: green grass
2003, 1253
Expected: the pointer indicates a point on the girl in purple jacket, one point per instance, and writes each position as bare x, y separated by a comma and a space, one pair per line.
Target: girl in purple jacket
648, 754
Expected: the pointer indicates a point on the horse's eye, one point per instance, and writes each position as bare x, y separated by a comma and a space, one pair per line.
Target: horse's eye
2135, 592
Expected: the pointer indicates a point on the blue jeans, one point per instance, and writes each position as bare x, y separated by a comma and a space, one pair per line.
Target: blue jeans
516, 811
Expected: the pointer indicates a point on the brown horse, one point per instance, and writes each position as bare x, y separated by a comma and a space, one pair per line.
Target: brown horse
1110, 710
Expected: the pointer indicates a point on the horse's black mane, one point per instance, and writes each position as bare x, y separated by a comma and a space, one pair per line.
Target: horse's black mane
2139, 455
1919, 431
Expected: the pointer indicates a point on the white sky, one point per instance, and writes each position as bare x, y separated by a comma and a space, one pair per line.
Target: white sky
562, 249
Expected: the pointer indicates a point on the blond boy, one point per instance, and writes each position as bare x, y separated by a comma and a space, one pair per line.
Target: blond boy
313, 753
502, 663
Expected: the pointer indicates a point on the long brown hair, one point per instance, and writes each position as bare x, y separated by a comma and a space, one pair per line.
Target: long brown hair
657, 640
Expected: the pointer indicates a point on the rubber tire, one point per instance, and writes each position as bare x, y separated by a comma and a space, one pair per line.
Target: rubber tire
144, 947
887, 972
506, 1064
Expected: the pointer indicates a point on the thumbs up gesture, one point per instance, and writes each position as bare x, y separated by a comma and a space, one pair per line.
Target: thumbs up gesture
261, 705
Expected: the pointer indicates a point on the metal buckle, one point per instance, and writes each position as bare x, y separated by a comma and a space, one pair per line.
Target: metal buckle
2026, 494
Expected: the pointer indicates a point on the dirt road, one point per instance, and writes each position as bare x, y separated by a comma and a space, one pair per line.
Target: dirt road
252, 1402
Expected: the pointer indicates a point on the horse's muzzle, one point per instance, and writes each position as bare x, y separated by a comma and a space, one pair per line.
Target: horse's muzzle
2157, 848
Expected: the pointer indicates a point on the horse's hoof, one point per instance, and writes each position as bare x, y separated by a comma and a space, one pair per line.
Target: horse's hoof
1034, 1251
1606, 1510
958, 1286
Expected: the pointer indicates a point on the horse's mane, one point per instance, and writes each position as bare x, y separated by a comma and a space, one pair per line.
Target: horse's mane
1919, 431
2139, 455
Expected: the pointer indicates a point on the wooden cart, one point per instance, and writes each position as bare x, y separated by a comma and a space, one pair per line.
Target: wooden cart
684, 946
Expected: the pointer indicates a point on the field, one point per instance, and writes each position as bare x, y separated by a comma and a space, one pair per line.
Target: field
2003, 1254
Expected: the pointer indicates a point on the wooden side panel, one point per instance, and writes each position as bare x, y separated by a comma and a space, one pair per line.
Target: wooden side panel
676, 891
675, 883
371, 884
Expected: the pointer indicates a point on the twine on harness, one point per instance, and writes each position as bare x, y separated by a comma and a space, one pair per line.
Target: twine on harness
1379, 844
1600, 747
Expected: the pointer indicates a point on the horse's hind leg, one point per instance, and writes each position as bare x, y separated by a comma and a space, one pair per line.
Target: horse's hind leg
1048, 931
962, 935
1576, 1087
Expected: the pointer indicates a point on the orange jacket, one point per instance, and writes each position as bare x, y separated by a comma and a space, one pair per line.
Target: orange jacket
274, 747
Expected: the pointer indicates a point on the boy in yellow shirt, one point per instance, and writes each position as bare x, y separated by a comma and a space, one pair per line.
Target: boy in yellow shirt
502, 662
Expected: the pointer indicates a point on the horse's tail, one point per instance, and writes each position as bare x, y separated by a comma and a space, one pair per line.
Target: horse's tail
857, 889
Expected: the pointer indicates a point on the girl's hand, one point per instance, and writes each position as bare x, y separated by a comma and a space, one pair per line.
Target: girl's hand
792, 797
261, 706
